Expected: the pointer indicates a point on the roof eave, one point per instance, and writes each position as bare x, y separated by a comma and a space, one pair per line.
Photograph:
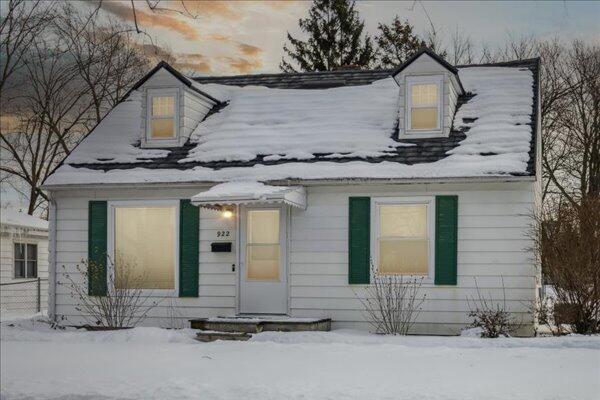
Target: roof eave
313, 182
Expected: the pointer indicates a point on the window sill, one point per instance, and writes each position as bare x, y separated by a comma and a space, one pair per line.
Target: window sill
160, 143
418, 134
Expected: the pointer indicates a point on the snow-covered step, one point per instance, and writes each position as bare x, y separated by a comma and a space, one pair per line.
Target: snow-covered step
260, 324
211, 336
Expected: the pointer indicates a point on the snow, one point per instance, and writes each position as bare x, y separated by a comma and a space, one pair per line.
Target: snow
502, 112
297, 123
18, 219
354, 121
153, 363
239, 189
455, 166
115, 138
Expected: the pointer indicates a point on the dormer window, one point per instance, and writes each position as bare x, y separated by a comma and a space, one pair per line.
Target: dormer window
424, 96
163, 115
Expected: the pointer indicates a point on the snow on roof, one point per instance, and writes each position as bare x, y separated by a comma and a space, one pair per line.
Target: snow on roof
357, 121
242, 192
296, 124
115, 139
22, 220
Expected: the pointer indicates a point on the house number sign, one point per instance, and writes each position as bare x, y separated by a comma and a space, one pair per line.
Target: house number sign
223, 234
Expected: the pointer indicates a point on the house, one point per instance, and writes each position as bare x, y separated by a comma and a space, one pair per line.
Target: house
23, 262
273, 194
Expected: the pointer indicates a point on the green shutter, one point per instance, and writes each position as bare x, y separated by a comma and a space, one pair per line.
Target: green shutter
359, 240
97, 229
189, 241
446, 239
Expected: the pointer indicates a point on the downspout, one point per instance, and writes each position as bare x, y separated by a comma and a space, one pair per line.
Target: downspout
52, 258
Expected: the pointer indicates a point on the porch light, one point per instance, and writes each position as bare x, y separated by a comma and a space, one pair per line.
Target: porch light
227, 214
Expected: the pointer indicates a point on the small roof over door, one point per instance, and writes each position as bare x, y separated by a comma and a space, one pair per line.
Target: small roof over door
250, 192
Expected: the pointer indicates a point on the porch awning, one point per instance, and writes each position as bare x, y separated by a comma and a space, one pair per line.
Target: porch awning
250, 192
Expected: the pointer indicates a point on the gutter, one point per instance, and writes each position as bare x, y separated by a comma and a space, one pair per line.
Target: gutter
52, 213
304, 182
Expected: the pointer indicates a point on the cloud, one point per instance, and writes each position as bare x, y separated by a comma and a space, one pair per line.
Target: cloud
249, 50
209, 8
124, 11
242, 65
194, 62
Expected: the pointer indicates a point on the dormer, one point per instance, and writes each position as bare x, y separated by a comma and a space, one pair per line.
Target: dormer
429, 90
172, 107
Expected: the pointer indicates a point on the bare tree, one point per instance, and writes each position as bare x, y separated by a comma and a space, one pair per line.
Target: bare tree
21, 25
75, 71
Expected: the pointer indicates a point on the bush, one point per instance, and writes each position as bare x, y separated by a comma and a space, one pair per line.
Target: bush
119, 308
567, 242
491, 316
392, 303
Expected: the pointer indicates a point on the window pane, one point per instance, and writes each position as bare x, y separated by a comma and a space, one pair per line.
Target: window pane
32, 251
145, 247
262, 247
32, 269
19, 251
263, 227
163, 128
403, 257
163, 106
403, 220
423, 118
19, 269
263, 262
424, 95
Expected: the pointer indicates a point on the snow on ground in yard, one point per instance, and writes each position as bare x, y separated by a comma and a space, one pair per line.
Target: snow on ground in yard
153, 363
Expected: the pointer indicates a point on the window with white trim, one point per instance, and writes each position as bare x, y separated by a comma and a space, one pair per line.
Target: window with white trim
424, 103
144, 240
25, 260
403, 236
162, 115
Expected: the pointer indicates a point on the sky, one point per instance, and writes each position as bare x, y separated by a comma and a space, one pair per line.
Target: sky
240, 36
233, 37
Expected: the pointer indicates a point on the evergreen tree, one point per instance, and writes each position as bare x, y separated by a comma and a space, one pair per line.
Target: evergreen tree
396, 42
335, 39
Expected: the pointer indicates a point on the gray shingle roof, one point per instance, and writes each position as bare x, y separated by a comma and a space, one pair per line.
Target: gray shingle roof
424, 151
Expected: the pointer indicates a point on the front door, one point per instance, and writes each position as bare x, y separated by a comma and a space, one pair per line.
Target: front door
263, 271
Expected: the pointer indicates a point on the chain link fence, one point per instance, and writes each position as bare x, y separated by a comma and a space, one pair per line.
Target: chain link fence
26, 296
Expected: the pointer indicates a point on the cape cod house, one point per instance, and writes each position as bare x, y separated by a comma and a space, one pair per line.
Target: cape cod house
273, 194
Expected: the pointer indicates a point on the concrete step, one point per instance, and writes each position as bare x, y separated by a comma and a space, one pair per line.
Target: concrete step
261, 324
211, 336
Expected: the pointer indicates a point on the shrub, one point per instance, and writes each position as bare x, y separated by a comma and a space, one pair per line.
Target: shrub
392, 302
119, 308
491, 315
567, 242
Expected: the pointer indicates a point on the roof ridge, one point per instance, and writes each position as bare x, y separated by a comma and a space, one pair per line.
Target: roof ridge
302, 73
354, 71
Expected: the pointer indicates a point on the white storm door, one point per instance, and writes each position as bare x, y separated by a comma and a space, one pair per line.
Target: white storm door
263, 271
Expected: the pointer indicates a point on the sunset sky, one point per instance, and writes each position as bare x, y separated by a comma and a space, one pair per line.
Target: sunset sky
232, 37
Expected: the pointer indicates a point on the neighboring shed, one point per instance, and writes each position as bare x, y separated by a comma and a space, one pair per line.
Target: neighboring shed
23, 262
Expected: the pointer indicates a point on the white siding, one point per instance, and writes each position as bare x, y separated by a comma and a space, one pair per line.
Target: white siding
493, 247
21, 296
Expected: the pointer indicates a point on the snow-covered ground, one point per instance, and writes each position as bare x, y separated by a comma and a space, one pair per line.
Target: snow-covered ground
152, 363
